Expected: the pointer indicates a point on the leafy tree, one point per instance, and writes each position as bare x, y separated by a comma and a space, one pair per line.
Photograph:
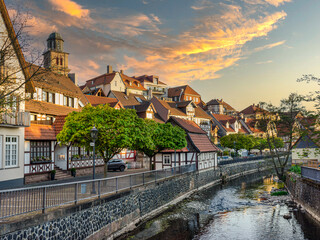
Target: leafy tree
163, 136
238, 141
118, 129
261, 144
282, 121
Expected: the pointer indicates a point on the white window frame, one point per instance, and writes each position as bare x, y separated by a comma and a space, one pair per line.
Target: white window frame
9, 160
167, 159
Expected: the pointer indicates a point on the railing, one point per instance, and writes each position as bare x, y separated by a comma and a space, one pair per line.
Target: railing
33, 199
15, 119
311, 173
42, 122
83, 163
244, 159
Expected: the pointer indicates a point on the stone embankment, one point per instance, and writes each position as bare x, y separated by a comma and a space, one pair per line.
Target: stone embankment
112, 216
306, 194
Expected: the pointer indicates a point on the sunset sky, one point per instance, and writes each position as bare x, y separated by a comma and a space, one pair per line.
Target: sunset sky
243, 51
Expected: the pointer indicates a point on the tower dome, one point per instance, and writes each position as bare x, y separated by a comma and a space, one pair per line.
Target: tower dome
55, 42
55, 36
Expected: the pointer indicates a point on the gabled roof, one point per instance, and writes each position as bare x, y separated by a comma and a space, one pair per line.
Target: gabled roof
187, 125
176, 91
220, 102
94, 92
143, 107
252, 109
251, 123
101, 80
135, 84
128, 100
306, 142
202, 143
58, 83
16, 46
40, 132
58, 123
149, 79
40, 107
97, 100
200, 113
166, 109
223, 120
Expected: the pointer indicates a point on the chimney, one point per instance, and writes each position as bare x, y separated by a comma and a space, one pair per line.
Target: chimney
73, 78
121, 71
109, 69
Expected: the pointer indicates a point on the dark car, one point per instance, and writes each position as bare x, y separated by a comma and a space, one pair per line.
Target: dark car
116, 164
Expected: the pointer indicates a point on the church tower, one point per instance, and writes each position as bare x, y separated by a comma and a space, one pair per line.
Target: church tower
55, 58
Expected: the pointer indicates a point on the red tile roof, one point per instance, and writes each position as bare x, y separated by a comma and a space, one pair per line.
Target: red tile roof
135, 84
57, 83
52, 109
100, 80
96, 100
252, 109
202, 143
188, 125
39, 132
220, 102
58, 123
128, 100
176, 91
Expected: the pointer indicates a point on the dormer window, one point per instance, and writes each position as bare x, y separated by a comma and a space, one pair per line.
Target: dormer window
156, 80
139, 99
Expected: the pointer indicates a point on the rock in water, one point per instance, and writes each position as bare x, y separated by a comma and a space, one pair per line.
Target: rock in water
287, 216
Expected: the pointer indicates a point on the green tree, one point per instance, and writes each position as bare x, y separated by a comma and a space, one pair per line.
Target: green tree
261, 144
282, 121
163, 136
118, 129
238, 141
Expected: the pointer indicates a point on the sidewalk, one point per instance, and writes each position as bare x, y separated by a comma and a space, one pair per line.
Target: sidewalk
85, 178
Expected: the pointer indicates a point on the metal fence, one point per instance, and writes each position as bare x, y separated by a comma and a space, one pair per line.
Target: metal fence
311, 173
25, 200
246, 159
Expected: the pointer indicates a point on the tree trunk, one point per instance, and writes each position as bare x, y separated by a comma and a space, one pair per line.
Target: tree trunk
105, 170
150, 159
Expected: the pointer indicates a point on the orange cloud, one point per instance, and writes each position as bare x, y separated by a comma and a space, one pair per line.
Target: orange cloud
70, 7
94, 65
277, 2
213, 44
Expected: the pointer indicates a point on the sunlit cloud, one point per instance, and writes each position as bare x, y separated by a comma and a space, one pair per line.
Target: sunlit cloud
213, 44
268, 46
70, 7
275, 3
94, 65
202, 4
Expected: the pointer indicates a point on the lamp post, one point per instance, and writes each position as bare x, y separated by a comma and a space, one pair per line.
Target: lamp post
94, 136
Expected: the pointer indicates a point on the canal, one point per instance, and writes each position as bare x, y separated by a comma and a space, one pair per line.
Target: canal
232, 211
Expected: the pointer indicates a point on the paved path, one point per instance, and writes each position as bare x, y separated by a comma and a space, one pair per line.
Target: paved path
88, 177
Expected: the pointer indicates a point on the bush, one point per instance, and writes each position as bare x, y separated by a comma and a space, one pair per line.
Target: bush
225, 153
295, 169
279, 193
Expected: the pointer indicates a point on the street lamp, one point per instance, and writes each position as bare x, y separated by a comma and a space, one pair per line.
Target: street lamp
94, 136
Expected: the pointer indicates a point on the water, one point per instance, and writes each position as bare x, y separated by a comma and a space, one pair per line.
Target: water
234, 211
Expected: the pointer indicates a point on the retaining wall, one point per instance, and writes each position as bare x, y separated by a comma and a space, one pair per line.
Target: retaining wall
111, 216
306, 193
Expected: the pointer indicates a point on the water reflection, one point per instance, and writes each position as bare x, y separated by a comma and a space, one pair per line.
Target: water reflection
233, 211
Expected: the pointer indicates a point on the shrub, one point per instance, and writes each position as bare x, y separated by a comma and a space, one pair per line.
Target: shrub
295, 169
279, 193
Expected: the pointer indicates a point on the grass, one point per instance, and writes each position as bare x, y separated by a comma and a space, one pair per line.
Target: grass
280, 193
296, 169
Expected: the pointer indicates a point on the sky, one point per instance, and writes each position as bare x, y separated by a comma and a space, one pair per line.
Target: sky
243, 51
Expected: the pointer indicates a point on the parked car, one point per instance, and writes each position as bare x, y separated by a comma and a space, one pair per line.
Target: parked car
116, 164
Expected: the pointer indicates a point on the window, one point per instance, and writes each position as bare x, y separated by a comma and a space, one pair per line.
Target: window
51, 97
65, 100
57, 61
40, 150
11, 152
44, 96
149, 115
70, 102
139, 99
61, 61
166, 159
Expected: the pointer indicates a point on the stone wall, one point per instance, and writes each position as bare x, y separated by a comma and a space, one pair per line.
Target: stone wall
306, 193
36, 178
113, 215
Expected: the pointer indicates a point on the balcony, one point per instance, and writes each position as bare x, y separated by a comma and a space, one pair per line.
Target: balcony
18, 119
